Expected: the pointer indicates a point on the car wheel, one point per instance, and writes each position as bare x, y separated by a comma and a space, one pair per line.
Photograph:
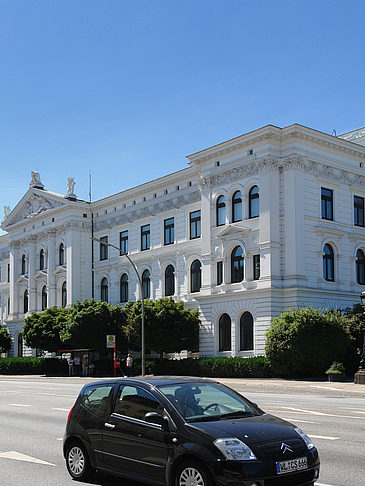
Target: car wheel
78, 462
192, 474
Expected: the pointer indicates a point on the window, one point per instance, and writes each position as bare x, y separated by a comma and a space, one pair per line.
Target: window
103, 248
24, 263
8, 272
169, 236
328, 263
360, 267
44, 297
237, 207
97, 399
225, 333
358, 211
169, 280
123, 242
134, 402
195, 275
61, 254
246, 332
145, 237
219, 273
104, 290
237, 265
20, 344
327, 203
256, 267
124, 288
221, 211
195, 225
25, 302
41, 260
64, 295
253, 201
146, 284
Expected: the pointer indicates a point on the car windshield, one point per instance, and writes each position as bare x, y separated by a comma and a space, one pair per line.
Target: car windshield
207, 401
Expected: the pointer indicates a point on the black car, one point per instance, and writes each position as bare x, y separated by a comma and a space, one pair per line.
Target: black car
182, 431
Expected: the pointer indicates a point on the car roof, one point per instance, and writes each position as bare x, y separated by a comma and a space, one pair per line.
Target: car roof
156, 380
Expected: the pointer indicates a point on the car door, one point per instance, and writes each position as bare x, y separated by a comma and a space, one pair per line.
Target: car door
131, 445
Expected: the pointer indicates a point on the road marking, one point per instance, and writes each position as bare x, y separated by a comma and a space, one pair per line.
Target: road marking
299, 420
17, 456
324, 437
322, 484
39, 393
328, 388
18, 405
59, 438
312, 412
61, 409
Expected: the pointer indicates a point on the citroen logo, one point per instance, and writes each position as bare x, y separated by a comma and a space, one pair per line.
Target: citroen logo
285, 448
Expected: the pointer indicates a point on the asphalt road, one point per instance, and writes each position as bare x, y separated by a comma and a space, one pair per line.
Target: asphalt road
33, 412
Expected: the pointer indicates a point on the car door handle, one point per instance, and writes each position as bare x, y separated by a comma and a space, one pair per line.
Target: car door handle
109, 426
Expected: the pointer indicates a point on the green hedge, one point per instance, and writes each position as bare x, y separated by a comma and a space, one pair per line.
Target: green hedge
33, 366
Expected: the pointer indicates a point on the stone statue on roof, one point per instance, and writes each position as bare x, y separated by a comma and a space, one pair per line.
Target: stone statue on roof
71, 188
36, 181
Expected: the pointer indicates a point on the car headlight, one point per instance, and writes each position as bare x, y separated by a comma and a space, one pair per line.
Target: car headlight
306, 439
234, 449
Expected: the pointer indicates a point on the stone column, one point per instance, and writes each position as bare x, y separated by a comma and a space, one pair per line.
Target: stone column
73, 259
32, 284
51, 280
206, 213
13, 291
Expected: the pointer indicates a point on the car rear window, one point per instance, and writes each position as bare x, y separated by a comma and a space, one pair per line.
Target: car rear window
97, 399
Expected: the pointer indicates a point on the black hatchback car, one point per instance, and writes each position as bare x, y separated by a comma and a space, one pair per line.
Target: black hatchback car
183, 431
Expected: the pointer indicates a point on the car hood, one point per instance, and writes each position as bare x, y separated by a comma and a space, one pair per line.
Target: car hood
251, 430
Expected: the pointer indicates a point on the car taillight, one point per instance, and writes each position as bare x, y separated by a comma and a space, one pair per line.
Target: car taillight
69, 414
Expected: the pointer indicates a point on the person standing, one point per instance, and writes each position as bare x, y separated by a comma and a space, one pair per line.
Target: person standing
85, 365
77, 365
70, 362
129, 365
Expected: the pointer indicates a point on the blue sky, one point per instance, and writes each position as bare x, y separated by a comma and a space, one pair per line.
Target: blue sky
126, 89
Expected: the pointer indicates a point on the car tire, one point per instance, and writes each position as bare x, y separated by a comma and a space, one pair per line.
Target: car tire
78, 462
192, 473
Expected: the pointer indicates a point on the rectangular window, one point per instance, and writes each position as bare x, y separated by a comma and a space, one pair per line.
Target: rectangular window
195, 225
219, 273
8, 272
169, 236
256, 267
358, 211
123, 242
145, 237
327, 203
103, 248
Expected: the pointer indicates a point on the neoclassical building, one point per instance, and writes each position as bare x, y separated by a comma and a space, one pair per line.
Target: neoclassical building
270, 220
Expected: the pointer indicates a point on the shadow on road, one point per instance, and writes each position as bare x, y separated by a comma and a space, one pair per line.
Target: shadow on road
101, 479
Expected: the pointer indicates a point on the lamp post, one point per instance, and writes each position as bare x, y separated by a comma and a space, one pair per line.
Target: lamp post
360, 375
141, 293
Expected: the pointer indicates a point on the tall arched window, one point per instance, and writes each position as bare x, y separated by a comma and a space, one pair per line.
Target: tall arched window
44, 297
195, 276
221, 211
20, 344
24, 265
254, 202
328, 263
104, 290
64, 295
25, 301
237, 265
41, 260
246, 332
237, 207
124, 288
61, 254
169, 280
360, 267
146, 284
225, 333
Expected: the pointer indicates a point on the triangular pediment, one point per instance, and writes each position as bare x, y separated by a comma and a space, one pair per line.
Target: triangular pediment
234, 229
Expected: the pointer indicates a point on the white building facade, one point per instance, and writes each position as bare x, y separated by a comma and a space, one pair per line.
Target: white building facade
270, 220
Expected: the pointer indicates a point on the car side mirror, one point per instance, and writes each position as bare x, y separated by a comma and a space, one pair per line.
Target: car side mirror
157, 419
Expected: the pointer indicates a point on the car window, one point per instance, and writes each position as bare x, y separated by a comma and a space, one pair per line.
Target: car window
97, 399
134, 402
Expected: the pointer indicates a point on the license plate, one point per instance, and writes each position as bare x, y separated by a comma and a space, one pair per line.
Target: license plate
292, 465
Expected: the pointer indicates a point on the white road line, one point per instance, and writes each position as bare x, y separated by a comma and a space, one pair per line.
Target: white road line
59, 438
324, 437
18, 405
322, 484
327, 388
62, 409
39, 393
312, 412
298, 420
17, 456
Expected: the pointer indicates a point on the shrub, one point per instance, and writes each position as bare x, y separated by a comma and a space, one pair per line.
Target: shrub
33, 366
336, 369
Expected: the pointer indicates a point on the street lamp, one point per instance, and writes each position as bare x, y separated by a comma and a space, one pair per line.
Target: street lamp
141, 292
360, 375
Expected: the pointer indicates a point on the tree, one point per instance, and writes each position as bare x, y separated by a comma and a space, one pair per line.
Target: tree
169, 327
354, 322
5, 340
42, 329
304, 342
89, 322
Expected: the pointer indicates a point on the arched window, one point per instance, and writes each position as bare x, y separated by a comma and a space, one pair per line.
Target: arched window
64, 295
104, 290
221, 211
254, 202
169, 280
246, 332
41, 260
44, 297
25, 301
20, 344
61, 255
195, 276
146, 284
237, 207
360, 267
328, 263
237, 265
225, 333
124, 288
24, 265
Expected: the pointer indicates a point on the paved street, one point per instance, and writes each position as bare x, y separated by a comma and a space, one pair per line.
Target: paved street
33, 411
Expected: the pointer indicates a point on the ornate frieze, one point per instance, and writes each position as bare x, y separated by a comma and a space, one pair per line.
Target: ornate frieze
34, 206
